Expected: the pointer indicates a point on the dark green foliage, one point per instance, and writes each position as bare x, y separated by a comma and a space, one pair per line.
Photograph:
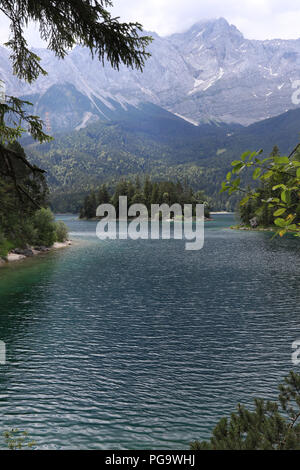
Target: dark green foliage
27, 180
270, 426
105, 152
5, 246
46, 230
61, 231
44, 225
148, 193
19, 201
103, 195
89, 206
67, 202
22, 223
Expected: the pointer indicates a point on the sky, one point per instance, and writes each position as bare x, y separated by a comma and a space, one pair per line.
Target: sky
256, 19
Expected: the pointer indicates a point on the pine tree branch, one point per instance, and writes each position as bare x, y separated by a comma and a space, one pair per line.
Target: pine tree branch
294, 151
8, 157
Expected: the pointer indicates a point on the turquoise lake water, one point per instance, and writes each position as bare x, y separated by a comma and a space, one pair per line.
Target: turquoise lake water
141, 344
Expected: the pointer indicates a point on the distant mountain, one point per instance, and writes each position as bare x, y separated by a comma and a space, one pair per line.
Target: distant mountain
138, 141
208, 73
150, 140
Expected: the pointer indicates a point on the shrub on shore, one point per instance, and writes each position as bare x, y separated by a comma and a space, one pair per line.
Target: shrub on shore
45, 227
5, 246
47, 231
40, 230
61, 231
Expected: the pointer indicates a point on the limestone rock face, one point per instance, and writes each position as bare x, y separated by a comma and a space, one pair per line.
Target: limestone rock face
210, 72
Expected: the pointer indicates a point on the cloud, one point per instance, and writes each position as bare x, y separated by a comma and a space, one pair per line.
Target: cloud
32, 33
256, 19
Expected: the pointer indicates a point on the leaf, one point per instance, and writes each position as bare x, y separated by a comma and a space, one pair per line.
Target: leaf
282, 186
279, 212
237, 183
224, 187
253, 154
237, 169
256, 173
244, 200
280, 222
245, 155
286, 197
282, 160
267, 175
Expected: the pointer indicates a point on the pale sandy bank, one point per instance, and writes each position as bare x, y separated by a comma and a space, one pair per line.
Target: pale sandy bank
19, 255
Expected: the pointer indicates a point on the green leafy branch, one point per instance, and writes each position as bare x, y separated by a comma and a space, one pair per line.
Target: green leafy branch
283, 173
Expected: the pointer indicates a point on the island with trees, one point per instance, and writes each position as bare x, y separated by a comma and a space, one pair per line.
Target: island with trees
147, 192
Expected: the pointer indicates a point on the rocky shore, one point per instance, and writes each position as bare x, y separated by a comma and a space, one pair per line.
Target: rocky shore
19, 254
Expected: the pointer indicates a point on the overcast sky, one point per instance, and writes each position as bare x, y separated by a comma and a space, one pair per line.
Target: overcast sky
256, 19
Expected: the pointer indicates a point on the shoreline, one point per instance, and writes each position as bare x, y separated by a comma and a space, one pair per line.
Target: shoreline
17, 255
130, 219
222, 213
271, 229
250, 229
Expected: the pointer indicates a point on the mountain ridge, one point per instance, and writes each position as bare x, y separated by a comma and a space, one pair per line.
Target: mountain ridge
153, 141
209, 72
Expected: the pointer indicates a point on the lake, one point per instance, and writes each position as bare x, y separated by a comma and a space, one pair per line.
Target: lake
141, 344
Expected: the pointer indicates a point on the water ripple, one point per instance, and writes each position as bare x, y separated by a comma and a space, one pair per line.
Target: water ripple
141, 344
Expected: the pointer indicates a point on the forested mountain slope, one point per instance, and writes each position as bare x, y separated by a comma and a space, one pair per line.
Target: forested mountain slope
150, 140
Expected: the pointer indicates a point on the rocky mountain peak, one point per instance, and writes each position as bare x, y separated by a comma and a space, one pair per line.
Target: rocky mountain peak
209, 72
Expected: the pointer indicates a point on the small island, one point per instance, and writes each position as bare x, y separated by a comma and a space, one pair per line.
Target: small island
147, 192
